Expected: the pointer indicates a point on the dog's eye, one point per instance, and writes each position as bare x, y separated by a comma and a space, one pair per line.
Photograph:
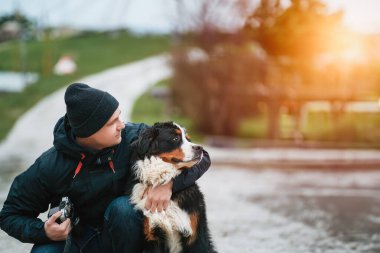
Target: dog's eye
176, 138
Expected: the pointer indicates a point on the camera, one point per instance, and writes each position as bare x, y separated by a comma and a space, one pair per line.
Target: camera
67, 211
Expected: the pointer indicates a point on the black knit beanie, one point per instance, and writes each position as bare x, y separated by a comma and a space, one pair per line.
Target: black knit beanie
88, 109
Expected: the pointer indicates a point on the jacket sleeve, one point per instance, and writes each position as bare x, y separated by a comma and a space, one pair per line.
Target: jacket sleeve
27, 198
189, 176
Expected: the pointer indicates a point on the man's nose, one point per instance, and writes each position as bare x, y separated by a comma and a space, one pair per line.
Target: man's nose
121, 125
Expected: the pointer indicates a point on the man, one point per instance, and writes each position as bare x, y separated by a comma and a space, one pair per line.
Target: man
89, 163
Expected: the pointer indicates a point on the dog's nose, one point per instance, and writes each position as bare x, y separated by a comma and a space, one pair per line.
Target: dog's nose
197, 148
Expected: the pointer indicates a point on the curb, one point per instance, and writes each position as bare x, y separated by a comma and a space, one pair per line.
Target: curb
294, 158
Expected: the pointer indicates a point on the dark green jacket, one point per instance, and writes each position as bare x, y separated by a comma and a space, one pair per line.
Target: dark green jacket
92, 189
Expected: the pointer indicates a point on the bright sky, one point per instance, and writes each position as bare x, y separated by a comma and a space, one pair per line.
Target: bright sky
156, 15
361, 15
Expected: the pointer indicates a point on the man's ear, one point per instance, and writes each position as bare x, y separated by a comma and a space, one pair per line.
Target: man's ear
144, 145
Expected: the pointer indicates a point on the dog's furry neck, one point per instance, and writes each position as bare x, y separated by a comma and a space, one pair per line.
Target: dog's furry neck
154, 171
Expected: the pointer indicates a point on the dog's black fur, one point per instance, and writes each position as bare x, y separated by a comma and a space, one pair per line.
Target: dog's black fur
154, 141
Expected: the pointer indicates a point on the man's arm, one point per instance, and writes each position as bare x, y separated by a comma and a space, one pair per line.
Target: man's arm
189, 176
26, 199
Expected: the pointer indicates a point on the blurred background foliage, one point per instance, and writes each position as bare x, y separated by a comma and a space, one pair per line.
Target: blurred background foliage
271, 79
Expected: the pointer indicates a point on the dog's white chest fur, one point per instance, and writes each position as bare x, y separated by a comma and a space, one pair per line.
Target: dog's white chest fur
174, 221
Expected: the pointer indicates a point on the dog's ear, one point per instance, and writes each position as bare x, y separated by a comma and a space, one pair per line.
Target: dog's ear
144, 145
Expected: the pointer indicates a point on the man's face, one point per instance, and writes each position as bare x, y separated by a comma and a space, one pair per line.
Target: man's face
110, 134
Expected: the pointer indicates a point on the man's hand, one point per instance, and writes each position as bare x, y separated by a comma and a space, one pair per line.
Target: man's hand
158, 197
55, 231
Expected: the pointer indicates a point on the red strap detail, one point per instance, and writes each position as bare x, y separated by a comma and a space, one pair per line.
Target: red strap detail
111, 166
79, 166
111, 163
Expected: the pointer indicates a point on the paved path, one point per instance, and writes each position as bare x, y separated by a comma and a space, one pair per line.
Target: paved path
279, 211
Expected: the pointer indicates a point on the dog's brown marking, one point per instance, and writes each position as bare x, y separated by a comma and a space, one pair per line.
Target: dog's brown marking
168, 156
194, 225
188, 136
147, 231
178, 131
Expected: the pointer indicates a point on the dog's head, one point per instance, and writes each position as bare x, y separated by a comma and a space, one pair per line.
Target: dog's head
169, 142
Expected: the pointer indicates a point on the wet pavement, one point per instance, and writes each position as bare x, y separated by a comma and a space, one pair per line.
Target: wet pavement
293, 211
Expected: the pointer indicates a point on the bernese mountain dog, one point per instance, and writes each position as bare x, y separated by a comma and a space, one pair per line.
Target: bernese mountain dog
162, 152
